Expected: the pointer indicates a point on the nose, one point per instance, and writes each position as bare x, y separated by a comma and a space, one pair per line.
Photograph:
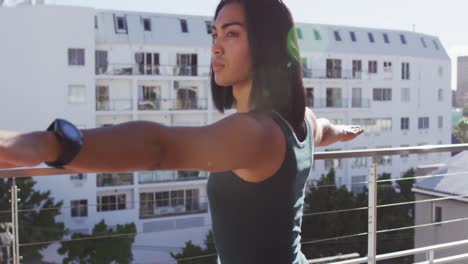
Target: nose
217, 48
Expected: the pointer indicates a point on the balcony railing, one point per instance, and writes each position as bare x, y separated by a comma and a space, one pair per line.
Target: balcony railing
191, 203
188, 104
114, 105
347, 74
153, 70
146, 177
114, 179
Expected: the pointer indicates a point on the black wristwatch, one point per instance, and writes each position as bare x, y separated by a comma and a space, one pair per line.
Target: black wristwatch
71, 139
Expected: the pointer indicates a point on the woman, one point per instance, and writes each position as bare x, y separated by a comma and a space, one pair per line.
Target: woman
259, 157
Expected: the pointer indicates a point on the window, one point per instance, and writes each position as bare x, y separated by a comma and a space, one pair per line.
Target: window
76, 57
147, 24
387, 66
440, 95
102, 98
436, 46
209, 27
332, 163
403, 39
183, 26
357, 69
147, 63
95, 22
372, 67
353, 36
76, 94
385, 37
371, 37
374, 125
384, 160
359, 162
334, 68
358, 184
337, 35
356, 97
440, 70
78, 177
299, 33
101, 61
334, 98
79, 208
423, 42
404, 157
437, 214
440, 121
405, 95
405, 123
405, 71
111, 202
317, 35
310, 97
423, 123
187, 64
177, 198
120, 23
382, 94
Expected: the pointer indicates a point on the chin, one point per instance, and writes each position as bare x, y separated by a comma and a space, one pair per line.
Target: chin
222, 82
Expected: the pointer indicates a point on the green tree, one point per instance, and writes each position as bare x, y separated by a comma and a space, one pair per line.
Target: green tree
460, 130
193, 251
465, 110
325, 196
36, 217
110, 246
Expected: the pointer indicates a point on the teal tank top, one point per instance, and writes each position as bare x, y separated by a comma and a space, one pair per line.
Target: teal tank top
256, 223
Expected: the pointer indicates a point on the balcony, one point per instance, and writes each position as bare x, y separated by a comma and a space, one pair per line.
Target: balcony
146, 177
188, 104
158, 204
116, 179
149, 104
153, 70
336, 74
114, 105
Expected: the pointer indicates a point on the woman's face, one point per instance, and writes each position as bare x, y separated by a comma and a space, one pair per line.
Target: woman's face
231, 60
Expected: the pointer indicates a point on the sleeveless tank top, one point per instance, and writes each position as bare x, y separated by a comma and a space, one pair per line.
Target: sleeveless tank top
256, 223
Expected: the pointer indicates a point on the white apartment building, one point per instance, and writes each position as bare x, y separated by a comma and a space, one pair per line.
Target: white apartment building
103, 67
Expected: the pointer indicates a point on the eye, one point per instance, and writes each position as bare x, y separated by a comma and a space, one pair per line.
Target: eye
232, 34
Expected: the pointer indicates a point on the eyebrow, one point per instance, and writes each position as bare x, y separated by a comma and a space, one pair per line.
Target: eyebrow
229, 24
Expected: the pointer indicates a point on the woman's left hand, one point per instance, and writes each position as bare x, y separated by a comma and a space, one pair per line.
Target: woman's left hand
350, 132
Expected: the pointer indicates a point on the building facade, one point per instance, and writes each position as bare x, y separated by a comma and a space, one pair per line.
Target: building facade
462, 81
102, 67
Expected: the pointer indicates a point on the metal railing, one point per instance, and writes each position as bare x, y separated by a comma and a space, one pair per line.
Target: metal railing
153, 70
372, 207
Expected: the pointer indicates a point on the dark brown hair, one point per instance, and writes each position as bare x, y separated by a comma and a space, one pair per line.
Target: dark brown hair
277, 78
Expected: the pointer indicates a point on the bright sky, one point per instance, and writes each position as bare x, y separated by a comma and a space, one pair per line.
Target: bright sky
445, 19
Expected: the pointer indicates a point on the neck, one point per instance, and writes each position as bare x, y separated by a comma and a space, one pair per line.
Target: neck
241, 92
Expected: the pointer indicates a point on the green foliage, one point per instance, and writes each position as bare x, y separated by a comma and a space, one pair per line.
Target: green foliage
330, 198
193, 251
36, 219
460, 130
111, 246
465, 110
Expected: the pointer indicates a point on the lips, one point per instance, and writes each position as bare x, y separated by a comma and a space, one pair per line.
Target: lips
217, 66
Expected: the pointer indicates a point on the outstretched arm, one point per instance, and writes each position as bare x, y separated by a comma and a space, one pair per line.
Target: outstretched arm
239, 141
326, 133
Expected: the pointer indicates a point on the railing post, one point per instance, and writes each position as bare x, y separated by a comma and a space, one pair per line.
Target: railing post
372, 214
14, 219
430, 256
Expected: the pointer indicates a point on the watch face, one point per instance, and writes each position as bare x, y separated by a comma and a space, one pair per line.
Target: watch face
71, 132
